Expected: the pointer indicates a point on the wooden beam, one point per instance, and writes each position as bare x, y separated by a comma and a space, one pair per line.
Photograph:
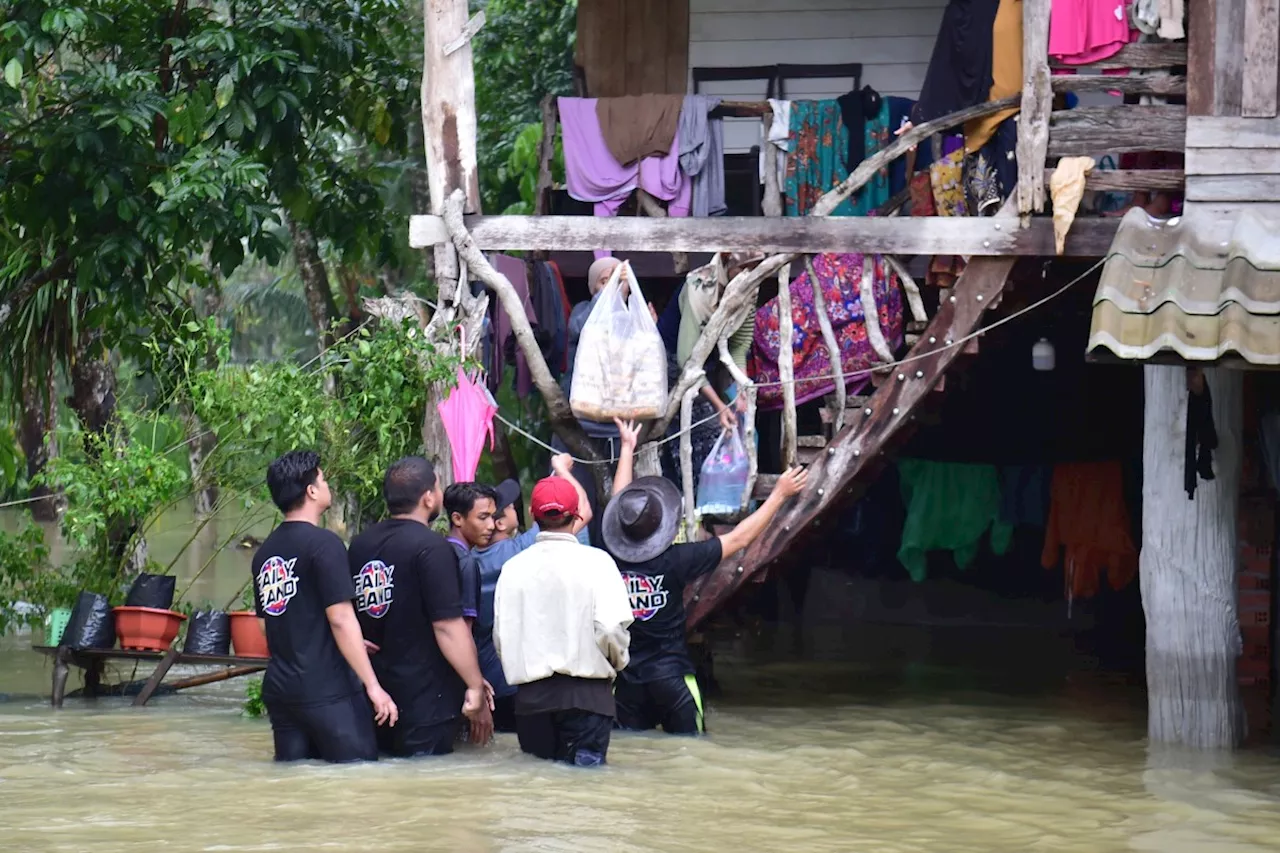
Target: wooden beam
1135, 55
1228, 51
1201, 29
1245, 188
1125, 180
935, 235
855, 449
786, 366
1261, 31
1120, 129
1150, 84
1037, 102
469, 31
1233, 161
1232, 132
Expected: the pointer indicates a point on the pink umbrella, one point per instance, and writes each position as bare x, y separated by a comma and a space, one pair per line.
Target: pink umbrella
467, 414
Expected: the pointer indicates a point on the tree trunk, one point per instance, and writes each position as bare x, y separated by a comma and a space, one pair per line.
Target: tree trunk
37, 435
93, 399
200, 443
315, 282
1188, 564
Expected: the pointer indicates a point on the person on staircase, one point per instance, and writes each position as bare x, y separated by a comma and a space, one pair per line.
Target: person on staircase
658, 687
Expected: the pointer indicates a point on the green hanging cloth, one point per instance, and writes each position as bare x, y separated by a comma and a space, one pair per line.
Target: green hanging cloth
949, 507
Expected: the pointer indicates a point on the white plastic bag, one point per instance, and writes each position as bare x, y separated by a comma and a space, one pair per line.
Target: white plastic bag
621, 366
723, 481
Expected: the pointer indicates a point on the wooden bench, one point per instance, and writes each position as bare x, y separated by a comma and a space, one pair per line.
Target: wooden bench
92, 661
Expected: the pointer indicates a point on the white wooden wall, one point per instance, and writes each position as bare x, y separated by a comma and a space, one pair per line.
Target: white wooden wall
893, 40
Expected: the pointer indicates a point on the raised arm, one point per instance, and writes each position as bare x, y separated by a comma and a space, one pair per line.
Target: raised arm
562, 466
789, 484
629, 436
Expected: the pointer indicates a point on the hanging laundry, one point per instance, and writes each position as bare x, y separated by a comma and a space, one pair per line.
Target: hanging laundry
993, 170
899, 173
1089, 530
840, 276
639, 126
820, 143
1202, 435
950, 506
546, 300
1024, 494
506, 350
1006, 73
698, 299
592, 174
702, 154
960, 69
1163, 18
856, 109
946, 177
779, 136
467, 414
1086, 31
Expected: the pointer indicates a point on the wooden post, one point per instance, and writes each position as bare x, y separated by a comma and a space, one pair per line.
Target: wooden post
910, 288
786, 368
650, 207
686, 456
61, 669
1188, 566
1037, 103
546, 154
870, 313
162, 669
833, 348
747, 387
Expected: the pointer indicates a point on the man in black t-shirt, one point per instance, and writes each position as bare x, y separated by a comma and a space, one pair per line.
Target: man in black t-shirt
409, 598
303, 592
658, 687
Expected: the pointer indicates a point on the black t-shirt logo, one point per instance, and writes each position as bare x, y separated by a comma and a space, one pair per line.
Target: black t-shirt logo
277, 584
373, 588
646, 593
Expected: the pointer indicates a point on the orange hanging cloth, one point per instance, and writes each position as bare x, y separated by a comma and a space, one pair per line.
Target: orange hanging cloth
1088, 519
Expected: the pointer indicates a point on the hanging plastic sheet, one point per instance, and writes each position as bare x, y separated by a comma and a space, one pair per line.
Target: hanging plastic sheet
467, 414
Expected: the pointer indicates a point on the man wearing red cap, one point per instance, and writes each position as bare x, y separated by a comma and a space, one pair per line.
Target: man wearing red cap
560, 619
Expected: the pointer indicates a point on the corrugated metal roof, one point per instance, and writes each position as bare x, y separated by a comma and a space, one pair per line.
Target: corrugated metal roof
1203, 286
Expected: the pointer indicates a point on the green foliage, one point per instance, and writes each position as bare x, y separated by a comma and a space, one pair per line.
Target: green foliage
27, 576
523, 164
524, 52
11, 460
253, 704
112, 487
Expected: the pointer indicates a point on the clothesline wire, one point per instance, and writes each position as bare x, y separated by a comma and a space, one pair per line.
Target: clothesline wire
958, 342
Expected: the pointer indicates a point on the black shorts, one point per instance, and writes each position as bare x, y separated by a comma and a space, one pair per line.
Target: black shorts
337, 731
580, 738
407, 739
673, 703
504, 713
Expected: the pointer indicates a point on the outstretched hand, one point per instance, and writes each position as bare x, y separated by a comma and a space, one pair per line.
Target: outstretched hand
628, 432
792, 482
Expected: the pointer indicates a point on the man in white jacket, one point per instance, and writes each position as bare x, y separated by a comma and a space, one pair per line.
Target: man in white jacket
560, 620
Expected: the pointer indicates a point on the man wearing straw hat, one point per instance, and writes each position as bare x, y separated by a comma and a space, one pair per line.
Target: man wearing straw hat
658, 687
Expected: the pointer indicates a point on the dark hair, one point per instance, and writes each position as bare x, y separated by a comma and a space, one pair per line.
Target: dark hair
289, 477
461, 497
407, 480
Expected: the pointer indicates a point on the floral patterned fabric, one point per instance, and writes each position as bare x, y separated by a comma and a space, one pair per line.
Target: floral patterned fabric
817, 161
839, 277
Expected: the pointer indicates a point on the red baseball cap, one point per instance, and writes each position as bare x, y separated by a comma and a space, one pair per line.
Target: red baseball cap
553, 497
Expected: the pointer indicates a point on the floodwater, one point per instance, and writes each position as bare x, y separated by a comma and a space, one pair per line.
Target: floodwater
884, 739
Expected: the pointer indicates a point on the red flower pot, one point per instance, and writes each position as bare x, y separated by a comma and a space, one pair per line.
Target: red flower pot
248, 640
147, 628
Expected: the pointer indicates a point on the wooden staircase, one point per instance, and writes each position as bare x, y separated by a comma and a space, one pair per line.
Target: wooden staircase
873, 424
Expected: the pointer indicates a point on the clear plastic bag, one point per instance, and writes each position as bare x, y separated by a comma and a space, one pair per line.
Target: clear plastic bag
723, 481
621, 366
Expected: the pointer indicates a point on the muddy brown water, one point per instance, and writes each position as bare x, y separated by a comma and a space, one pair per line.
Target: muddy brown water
885, 739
